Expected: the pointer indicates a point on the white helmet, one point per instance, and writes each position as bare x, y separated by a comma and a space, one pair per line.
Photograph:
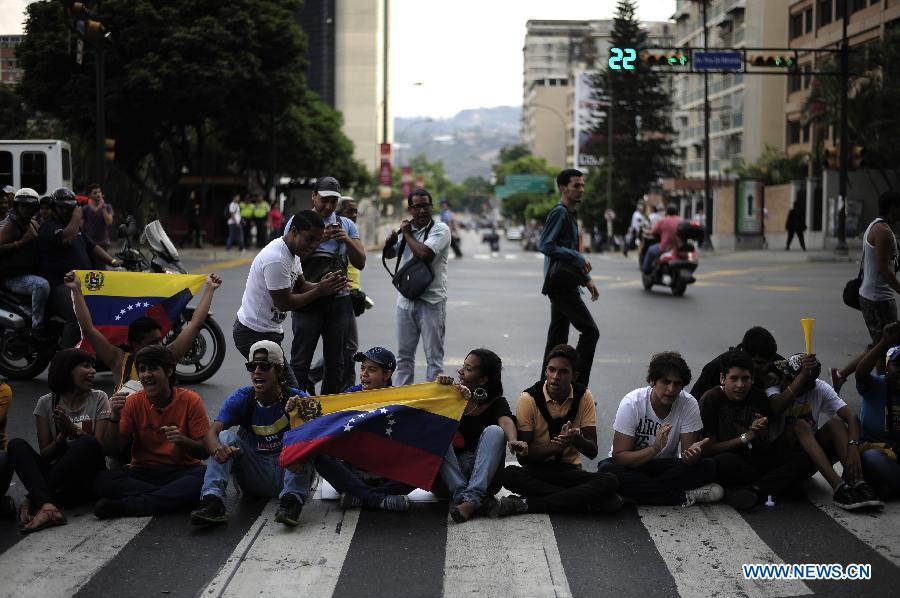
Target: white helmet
27, 196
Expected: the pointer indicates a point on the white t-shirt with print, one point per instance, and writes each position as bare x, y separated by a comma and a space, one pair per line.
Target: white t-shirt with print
274, 268
636, 418
817, 406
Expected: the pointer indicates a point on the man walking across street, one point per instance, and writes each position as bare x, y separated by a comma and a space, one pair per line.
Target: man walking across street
428, 241
559, 243
879, 264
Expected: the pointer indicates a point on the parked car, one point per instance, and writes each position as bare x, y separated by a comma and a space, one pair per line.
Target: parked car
514, 233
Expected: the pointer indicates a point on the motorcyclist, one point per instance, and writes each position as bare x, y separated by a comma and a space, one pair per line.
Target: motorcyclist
666, 230
63, 247
18, 255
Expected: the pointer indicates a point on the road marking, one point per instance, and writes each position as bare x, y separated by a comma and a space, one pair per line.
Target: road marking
515, 556
779, 289
744, 271
704, 548
273, 559
59, 560
225, 265
880, 530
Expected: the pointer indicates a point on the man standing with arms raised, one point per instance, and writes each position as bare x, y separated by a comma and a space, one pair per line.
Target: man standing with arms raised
559, 244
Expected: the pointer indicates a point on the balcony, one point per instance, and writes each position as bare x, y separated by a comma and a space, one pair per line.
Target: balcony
735, 6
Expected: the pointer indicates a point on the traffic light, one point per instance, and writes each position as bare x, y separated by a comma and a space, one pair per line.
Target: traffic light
109, 149
857, 157
833, 157
773, 61
664, 59
86, 27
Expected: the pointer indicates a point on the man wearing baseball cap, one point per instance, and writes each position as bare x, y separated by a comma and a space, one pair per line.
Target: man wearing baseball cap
880, 414
329, 318
251, 451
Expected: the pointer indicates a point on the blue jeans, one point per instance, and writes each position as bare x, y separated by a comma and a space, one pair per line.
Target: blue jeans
468, 475
245, 337
257, 473
881, 471
651, 257
426, 320
331, 320
234, 234
38, 288
346, 478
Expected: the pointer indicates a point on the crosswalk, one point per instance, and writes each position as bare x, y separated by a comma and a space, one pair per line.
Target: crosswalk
645, 551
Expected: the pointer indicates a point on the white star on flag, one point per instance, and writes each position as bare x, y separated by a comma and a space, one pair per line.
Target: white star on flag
118, 318
146, 304
383, 410
130, 307
388, 432
348, 427
122, 312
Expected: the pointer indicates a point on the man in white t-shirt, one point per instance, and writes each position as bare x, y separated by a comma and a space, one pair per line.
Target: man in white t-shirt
650, 424
275, 285
234, 223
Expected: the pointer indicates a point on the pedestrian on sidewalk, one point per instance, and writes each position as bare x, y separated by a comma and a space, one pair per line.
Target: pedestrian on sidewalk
880, 263
260, 216
235, 233
246, 220
98, 217
795, 225
559, 244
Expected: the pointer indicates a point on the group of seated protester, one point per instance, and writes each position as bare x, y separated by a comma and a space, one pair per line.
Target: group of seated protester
760, 430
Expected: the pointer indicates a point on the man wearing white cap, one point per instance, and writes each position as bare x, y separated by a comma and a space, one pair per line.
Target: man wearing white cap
252, 451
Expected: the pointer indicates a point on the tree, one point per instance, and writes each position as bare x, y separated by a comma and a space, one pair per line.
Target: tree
524, 165
773, 167
13, 114
641, 126
509, 153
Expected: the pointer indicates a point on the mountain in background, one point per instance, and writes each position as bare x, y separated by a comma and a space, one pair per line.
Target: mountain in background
467, 143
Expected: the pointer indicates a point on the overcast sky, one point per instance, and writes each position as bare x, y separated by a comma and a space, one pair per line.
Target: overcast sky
450, 55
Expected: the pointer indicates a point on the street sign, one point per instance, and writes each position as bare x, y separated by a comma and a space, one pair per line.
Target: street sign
718, 61
529, 183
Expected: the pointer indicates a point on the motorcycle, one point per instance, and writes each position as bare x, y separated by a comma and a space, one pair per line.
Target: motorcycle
24, 355
675, 268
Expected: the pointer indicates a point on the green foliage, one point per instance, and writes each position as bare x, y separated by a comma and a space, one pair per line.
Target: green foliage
509, 153
13, 114
524, 165
522, 207
641, 125
774, 167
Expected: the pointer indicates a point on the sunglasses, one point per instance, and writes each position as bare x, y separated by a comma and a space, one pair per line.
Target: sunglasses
263, 365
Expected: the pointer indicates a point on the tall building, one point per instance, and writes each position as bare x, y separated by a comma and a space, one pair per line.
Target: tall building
747, 112
556, 55
10, 72
346, 47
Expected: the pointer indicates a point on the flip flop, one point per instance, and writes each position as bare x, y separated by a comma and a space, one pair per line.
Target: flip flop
50, 522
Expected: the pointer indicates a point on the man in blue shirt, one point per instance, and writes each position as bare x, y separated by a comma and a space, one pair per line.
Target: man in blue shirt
251, 453
559, 243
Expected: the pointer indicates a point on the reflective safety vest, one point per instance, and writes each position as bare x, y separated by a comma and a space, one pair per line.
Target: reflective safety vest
260, 210
246, 209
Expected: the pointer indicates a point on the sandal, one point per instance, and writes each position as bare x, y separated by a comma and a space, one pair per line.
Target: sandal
54, 517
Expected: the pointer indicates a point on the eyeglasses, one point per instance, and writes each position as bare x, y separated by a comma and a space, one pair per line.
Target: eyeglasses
263, 365
420, 206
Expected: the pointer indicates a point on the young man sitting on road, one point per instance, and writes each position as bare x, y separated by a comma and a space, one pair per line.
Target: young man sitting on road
760, 345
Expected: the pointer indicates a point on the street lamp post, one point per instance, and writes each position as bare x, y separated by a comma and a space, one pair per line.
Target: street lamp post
841, 246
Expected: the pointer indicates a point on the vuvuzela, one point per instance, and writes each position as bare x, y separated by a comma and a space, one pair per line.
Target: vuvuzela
808, 324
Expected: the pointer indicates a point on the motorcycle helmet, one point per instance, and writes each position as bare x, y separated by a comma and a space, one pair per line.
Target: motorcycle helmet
26, 196
63, 197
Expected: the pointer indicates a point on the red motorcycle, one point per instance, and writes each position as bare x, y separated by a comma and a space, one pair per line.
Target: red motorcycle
675, 268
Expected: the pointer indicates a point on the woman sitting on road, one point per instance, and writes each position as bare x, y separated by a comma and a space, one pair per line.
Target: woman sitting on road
72, 421
486, 428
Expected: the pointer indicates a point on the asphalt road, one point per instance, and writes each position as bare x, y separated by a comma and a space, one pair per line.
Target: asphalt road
495, 303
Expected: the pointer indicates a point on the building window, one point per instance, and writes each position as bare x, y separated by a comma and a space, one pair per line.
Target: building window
858, 5
795, 82
793, 132
823, 9
808, 17
795, 25
33, 171
806, 134
839, 7
6, 169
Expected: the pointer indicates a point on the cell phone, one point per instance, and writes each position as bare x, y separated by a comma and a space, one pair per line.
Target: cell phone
131, 386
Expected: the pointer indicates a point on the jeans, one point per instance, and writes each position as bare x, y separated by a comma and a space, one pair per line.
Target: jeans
331, 320
245, 337
428, 321
346, 478
567, 308
660, 481
152, 489
651, 257
38, 288
257, 473
881, 471
558, 487
234, 234
469, 475
66, 480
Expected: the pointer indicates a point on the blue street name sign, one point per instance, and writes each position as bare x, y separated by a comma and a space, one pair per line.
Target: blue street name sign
718, 61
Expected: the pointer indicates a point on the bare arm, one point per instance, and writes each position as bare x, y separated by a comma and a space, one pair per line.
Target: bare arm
101, 254
509, 428
623, 448
67, 234
356, 253
537, 454
48, 444
186, 337
420, 250
289, 299
883, 245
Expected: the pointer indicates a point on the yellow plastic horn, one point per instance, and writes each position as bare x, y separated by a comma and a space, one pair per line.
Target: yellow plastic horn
808, 324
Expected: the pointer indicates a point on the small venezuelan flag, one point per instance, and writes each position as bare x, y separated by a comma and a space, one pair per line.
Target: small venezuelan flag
401, 433
116, 299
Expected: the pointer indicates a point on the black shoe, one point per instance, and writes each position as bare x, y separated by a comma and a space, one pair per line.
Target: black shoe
490, 507
742, 499
107, 508
846, 498
610, 504
512, 505
211, 511
289, 508
865, 492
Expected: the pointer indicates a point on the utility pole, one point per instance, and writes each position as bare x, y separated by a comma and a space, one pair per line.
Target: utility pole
707, 195
609, 148
841, 246
384, 113
100, 115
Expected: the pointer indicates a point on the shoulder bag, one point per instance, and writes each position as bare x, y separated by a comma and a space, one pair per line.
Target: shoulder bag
415, 276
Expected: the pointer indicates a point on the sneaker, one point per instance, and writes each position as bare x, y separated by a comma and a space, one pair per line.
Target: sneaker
743, 499
865, 492
350, 501
210, 511
846, 498
512, 505
289, 508
399, 503
109, 509
708, 493
837, 381
490, 507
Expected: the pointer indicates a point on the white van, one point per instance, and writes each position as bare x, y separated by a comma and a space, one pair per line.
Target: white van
42, 164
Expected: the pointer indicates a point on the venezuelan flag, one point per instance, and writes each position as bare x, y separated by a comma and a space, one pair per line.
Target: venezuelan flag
116, 299
401, 433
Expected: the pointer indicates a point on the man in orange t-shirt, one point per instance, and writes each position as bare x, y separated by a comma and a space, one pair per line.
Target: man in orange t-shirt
165, 426
667, 231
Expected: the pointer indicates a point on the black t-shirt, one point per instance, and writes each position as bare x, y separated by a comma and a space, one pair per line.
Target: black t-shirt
56, 257
709, 376
724, 419
471, 426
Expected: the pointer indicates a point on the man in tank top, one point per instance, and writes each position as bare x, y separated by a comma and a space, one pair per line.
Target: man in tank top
879, 266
